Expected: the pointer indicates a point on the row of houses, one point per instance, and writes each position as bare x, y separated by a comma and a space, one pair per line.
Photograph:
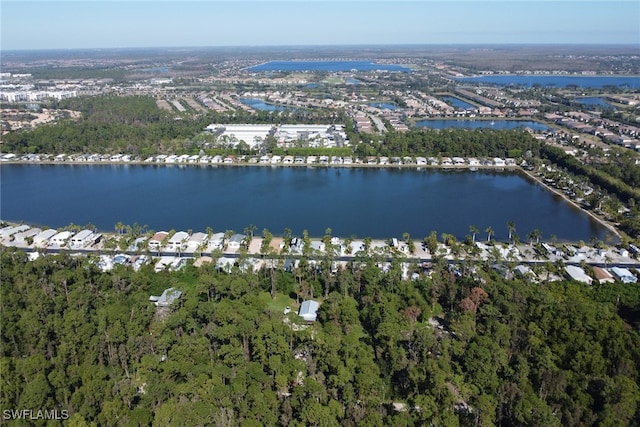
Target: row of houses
26, 235
181, 241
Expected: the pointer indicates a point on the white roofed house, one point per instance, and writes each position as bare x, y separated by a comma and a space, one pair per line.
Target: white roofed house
42, 239
578, 274
197, 241
61, 238
235, 241
309, 310
24, 236
82, 239
178, 242
167, 298
624, 275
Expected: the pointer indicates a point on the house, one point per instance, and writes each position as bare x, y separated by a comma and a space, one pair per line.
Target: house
309, 310
42, 239
235, 241
82, 239
196, 240
578, 274
22, 237
167, 298
10, 231
624, 275
602, 275
156, 241
61, 238
216, 241
178, 242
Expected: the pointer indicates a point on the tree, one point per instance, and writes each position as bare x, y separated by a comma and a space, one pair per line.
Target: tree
511, 226
489, 232
473, 230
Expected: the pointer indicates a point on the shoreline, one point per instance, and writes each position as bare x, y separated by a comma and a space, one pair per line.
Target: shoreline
600, 220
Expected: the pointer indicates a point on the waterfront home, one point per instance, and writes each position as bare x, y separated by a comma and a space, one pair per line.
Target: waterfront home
22, 237
156, 241
196, 241
309, 310
216, 159
265, 159
184, 158
624, 275
497, 161
178, 242
323, 160
235, 241
193, 159
421, 161
204, 159
216, 241
458, 161
311, 160
287, 160
229, 159
446, 161
433, 161
41, 240
473, 161
384, 160
336, 160
299, 160
372, 160
276, 159
346, 161
7, 232
82, 239
61, 238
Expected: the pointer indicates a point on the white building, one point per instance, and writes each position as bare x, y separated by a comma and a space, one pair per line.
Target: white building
61, 238
309, 310
578, 274
42, 239
178, 242
22, 237
156, 241
232, 134
624, 275
82, 239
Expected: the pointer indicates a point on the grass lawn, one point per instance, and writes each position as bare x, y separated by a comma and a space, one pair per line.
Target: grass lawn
278, 305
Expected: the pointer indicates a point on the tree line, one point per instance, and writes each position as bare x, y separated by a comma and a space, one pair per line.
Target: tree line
460, 346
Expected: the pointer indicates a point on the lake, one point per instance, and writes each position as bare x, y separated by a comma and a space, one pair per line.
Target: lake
259, 104
326, 66
366, 202
481, 124
458, 103
595, 102
383, 106
555, 81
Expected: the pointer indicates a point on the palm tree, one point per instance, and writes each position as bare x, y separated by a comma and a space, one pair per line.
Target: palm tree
473, 230
511, 226
489, 232
120, 227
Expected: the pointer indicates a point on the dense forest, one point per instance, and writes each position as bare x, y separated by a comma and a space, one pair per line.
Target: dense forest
460, 346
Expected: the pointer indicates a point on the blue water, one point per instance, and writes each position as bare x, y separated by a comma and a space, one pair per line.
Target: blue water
556, 81
259, 104
595, 102
353, 82
383, 106
378, 203
458, 103
329, 66
481, 124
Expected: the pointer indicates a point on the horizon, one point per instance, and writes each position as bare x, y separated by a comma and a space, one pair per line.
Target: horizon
101, 24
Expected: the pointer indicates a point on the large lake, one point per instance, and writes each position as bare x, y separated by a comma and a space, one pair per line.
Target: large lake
327, 66
481, 124
556, 81
377, 203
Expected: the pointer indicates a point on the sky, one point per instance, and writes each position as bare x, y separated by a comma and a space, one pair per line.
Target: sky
52, 24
